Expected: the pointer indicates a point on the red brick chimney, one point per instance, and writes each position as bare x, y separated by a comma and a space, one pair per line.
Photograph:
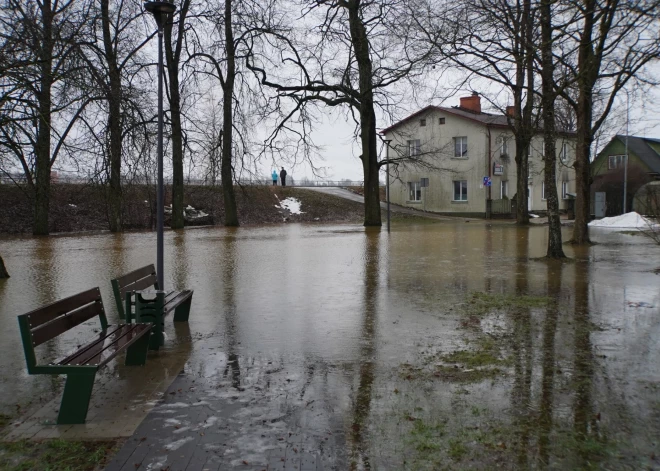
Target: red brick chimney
472, 103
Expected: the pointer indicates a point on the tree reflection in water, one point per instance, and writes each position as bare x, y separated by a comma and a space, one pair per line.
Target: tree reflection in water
229, 308
554, 272
522, 352
359, 458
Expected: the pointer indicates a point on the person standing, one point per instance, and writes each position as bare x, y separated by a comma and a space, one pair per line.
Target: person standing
274, 177
283, 177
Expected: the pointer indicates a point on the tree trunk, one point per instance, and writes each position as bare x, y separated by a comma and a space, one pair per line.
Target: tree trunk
114, 123
226, 173
522, 182
42, 146
555, 249
368, 134
587, 76
3, 270
173, 57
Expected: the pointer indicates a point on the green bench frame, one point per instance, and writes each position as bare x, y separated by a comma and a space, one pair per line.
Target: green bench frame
80, 366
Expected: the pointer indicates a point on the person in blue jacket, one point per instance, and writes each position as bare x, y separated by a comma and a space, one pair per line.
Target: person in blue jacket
274, 177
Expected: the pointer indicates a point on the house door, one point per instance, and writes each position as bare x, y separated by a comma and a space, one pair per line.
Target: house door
599, 204
529, 198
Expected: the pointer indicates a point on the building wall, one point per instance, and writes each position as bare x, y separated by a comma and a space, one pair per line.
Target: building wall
437, 151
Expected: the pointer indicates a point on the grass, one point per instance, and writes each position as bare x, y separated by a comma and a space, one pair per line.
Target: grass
483, 303
54, 455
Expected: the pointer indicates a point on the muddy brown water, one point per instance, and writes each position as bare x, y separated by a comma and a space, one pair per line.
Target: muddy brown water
382, 322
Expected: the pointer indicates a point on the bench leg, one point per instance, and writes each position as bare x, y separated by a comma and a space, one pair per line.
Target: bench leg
182, 311
136, 354
75, 399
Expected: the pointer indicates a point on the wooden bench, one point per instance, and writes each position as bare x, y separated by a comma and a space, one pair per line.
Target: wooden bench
80, 367
135, 307
142, 279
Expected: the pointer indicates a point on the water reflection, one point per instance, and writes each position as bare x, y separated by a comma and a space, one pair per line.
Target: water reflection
522, 353
583, 370
554, 276
362, 406
229, 310
309, 299
180, 261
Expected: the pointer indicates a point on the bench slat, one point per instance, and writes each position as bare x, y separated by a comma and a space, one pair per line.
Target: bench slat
175, 298
61, 324
109, 345
69, 359
135, 275
48, 313
139, 285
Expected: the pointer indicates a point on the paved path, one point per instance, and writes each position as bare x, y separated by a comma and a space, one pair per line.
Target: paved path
256, 416
349, 195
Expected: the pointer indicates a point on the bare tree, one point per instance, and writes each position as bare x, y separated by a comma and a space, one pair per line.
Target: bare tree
548, 100
175, 32
41, 78
615, 42
110, 51
353, 54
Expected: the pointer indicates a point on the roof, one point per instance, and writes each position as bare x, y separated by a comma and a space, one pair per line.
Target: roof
640, 146
487, 119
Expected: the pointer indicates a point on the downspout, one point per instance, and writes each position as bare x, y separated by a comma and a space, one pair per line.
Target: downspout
489, 200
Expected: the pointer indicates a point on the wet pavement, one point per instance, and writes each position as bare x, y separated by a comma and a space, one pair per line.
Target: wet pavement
336, 347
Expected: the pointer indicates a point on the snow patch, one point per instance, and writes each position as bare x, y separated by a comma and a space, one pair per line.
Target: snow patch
291, 204
178, 444
210, 421
630, 220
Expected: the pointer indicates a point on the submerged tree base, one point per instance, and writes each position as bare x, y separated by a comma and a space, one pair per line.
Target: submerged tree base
3, 270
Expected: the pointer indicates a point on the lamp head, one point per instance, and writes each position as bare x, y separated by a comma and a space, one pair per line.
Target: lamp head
160, 10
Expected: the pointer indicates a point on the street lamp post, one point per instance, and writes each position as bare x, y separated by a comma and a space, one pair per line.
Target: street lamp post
160, 10
625, 165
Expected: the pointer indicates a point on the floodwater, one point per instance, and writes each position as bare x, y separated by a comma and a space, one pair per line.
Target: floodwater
392, 337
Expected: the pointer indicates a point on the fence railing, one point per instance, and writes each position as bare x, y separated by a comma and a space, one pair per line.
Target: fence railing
82, 179
502, 206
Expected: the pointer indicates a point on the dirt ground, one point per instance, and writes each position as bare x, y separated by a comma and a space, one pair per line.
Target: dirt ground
75, 208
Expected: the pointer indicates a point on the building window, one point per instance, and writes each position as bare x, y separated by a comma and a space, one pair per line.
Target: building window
441, 121
542, 153
616, 161
543, 190
422, 122
460, 190
414, 148
563, 154
504, 150
460, 146
504, 187
414, 191
564, 190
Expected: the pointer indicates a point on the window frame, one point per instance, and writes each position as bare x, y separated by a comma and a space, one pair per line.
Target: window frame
464, 149
414, 189
504, 149
441, 121
422, 122
620, 158
543, 198
414, 147
563, 153
463, 191
504, 189
564, 190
